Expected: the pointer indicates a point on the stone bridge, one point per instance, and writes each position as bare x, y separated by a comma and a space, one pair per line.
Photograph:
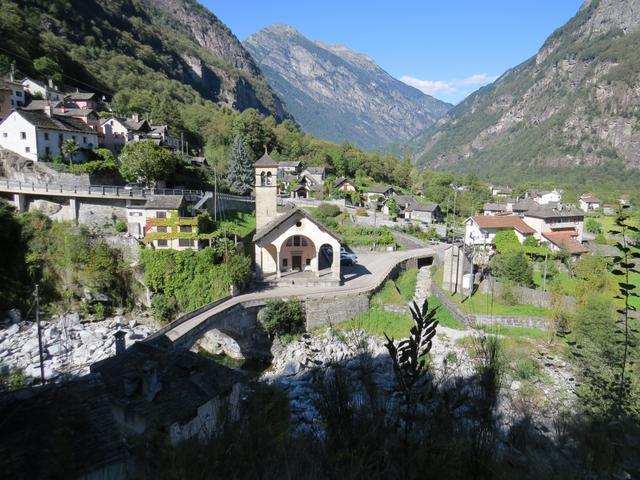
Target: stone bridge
79, 202
235, 316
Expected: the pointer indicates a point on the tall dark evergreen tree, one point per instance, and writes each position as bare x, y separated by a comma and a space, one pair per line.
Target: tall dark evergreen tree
240, 176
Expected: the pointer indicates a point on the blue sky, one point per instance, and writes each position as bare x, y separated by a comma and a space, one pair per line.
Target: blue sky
447, 49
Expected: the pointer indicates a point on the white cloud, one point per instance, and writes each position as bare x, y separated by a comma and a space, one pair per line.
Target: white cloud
448, 87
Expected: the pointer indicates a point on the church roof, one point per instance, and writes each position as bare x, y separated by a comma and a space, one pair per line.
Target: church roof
273, 224
265, 161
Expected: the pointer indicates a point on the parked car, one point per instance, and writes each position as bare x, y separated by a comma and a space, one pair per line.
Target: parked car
133, 186
347, 258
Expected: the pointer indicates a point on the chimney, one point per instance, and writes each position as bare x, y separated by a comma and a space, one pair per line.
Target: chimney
135, 117
121, 343
48, 111
51, 83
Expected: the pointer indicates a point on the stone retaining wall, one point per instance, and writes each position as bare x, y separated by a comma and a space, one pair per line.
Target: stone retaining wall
473, 319
332, 310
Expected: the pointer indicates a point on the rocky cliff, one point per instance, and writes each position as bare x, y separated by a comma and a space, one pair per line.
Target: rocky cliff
571, 108
138, 44
338, 94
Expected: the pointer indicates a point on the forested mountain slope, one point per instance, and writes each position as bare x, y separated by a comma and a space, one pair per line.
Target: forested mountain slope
164, 50
571, 111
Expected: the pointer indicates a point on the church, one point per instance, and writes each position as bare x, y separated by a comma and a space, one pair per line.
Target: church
291, 248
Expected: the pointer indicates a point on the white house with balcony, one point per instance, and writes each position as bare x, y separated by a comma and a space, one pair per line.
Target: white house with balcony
39, 134
557, 218
481, 230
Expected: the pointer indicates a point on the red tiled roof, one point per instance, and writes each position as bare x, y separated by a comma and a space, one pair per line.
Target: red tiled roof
503, 222
566, 239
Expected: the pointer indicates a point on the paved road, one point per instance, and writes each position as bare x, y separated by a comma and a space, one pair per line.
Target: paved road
371, 269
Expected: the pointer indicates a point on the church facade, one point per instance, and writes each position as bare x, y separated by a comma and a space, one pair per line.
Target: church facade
292, 242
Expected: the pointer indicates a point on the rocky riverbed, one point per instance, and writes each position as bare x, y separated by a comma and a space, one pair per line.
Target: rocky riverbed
70, 345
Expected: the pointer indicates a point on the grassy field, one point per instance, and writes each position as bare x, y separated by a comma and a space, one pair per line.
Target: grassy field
444, 316
242, 223
516, 332
379, 322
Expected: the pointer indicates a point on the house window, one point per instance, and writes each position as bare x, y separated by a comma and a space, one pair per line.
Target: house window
307, 262
84, 139
162, 243
186, 228
60, 137
161, 214
5, 134
18, 94
46, 136
185, 242
285, 262
162, 229
23, 135
47, 151
73, 137
27, 149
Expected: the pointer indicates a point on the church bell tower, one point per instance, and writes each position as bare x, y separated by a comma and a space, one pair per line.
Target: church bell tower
266, 188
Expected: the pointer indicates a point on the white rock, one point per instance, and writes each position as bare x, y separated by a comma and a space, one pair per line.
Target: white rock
516, 385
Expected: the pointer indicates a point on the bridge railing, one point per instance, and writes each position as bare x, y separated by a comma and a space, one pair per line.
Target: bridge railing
97, 190
187, 316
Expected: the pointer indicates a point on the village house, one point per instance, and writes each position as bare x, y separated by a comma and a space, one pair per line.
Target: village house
560, 218
292, 242
624, 199
413, 210
88, 116
610, 208
42, 91
82, 100
481, 230
288, 168
544, 197
491, 209
17, 96
5, 101
377, 194
564, 240
160, 222
503, 192
117, 132
314, 174
589, 202
38, 134
344, 185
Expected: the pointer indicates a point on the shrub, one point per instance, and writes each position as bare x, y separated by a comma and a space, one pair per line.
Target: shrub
120, 226
361, 212
326, 210
507, 294
280, 317
525, 368
592, 226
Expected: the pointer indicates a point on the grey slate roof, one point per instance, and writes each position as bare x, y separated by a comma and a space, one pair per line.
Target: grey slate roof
554, 211
56, 122
265, 161
296, 212
424, 207
40, 104
495, 207
81, 96
164, 202
379, 188
295, 164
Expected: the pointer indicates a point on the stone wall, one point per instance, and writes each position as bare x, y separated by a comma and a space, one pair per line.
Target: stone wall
100, 212
527, 296
332, 310
473, 319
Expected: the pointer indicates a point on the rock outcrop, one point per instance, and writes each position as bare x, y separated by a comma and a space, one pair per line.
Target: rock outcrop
338, 94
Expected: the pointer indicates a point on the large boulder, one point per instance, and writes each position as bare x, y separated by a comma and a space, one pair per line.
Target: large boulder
219, 343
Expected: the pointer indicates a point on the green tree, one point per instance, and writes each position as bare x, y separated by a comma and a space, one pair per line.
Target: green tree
513, 267
47, 68
394, 209
69, 149
282, 317
507, 241
240, 175
146, 162
592, 226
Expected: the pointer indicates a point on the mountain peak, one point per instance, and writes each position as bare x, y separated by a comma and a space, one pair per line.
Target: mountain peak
337, 93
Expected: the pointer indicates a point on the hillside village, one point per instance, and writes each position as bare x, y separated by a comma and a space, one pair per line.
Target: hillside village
215, 288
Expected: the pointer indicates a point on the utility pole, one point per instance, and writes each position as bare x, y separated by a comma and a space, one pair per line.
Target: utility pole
544, 278
215, 192
39, 335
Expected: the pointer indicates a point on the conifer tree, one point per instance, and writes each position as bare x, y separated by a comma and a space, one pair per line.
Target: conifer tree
240, 176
